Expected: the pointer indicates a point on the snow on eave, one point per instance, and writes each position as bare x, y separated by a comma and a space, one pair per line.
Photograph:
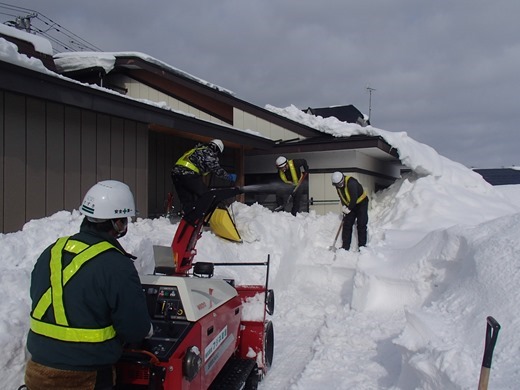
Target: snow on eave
41, 45
71, 61
9, 53
419, 157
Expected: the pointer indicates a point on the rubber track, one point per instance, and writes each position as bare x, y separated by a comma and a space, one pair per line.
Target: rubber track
234, 374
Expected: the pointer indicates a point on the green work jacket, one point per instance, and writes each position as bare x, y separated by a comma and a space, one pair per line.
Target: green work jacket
95, 306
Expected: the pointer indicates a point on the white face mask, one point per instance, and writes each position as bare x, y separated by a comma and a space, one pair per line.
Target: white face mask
120, 226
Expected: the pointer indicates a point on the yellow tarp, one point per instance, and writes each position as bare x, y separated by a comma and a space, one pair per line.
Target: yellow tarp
223, 226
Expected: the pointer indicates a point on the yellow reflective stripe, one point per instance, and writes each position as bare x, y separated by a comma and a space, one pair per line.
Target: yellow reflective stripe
69, 271
283, 177
76, 247
185, 162
43, 305
345, 195
79, 335
343, 192
56, 281
363, 196
294, 175
83, 257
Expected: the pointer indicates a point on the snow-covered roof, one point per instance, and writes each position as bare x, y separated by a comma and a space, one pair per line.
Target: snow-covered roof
74, 61
40, 44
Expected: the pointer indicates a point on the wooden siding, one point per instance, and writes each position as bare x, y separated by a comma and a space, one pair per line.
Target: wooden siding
246, 121
54, 153
241, 119
138, 90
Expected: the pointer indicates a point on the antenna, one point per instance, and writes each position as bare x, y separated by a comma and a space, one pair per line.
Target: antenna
24, 22
370, 102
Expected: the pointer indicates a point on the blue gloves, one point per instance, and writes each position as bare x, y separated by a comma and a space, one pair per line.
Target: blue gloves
232, 177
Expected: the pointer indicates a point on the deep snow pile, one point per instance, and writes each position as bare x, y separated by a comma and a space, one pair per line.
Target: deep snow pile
406, 312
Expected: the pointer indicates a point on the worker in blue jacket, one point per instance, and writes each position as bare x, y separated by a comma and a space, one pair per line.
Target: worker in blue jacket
354, 201
192, 166
87, 300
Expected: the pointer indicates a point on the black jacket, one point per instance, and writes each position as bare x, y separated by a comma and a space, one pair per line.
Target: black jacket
354, 189
300, 165
205, 158
105, 291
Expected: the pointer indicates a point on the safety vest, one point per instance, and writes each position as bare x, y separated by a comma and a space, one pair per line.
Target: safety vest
59, 277
184, 160
294, 175
345, 196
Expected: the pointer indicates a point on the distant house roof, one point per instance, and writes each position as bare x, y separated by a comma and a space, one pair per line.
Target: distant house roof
29, 44
500, 176
348, 114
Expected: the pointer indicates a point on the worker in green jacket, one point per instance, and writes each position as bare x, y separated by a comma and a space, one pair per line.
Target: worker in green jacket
87, 300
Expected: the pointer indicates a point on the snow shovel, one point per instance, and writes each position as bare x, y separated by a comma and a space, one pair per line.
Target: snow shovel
282, 207
333, 246
492, 329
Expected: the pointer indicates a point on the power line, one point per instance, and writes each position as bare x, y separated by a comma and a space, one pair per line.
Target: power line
35, 22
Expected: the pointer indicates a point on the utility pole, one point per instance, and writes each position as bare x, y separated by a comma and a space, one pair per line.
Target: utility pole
370, 102
23, 22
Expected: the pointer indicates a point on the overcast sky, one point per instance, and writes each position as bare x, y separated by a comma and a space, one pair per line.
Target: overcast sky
447, 71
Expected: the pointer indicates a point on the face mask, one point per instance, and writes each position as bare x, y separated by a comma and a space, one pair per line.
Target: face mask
120, 226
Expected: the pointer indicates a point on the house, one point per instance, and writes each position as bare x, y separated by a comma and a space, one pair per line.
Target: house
127, 116
348, 114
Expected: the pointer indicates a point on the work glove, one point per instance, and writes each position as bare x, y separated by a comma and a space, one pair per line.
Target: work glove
232, 177
345, 210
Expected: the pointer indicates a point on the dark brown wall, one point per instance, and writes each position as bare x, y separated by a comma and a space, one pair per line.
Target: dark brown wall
54, 153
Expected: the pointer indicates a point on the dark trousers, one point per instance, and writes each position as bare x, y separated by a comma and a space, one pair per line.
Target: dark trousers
359, 213
281, 198
189, 189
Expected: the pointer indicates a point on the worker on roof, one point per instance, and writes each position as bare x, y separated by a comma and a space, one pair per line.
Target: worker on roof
292, 172
190, 168
354, 201
87, 300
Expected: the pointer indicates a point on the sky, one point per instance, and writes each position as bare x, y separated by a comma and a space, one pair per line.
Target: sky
444, 72
406, 312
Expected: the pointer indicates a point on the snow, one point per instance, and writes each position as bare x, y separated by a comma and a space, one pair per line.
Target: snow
40, 44
73, 61
406, 312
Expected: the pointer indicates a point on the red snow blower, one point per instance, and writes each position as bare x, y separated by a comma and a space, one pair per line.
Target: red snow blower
201, 339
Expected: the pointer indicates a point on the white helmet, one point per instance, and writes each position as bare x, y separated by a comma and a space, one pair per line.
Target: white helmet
108, 199
218, 143
337, 179
281, 162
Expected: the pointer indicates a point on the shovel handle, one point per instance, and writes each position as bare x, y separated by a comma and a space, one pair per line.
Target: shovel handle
492, 328
302, 178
